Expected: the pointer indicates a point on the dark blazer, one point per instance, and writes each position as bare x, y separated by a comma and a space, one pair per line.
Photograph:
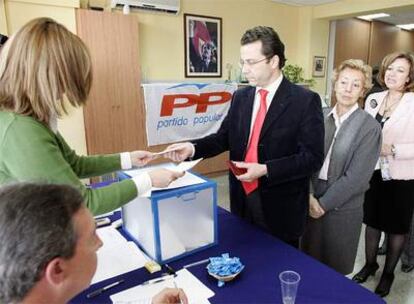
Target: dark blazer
291, 144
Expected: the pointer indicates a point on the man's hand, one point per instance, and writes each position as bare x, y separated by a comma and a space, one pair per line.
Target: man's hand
315, 209
254, 171
161, 178
170, 296
140, 158
181, 151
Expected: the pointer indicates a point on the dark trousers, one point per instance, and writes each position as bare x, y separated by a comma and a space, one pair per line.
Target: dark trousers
254, 215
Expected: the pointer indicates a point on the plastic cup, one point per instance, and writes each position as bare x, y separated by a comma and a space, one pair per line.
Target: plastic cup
289, 282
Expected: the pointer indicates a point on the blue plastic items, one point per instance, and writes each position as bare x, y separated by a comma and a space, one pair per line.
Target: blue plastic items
224, 268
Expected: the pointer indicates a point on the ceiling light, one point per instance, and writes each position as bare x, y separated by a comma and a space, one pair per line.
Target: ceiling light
407, 27
373, 16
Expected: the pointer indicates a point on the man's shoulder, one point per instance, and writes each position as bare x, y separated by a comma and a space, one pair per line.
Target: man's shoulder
301, 91
301, 97
243, 92
244, 88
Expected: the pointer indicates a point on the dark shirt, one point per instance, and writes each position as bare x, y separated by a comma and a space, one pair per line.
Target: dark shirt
381, 119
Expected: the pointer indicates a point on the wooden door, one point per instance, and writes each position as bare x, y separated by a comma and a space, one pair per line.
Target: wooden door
113, 115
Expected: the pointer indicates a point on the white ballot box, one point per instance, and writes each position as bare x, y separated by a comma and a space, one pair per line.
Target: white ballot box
173, 223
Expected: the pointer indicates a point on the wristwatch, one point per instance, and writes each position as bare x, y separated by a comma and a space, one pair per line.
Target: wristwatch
393, 150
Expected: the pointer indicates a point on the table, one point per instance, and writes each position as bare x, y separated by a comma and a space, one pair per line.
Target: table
264, 257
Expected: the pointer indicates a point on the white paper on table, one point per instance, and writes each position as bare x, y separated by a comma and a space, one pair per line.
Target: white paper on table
195, 290
203, 301
116, 256
110, 236
186, 180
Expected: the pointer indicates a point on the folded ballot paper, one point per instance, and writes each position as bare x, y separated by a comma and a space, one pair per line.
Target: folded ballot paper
196, 291
187, 180
116, 256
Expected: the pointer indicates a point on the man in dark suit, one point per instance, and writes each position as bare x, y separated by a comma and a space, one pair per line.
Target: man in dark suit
274, 130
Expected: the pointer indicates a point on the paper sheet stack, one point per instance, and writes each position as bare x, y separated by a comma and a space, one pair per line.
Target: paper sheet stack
116, 256
196, 291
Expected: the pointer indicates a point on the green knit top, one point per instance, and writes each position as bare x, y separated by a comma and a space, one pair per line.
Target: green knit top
31, 151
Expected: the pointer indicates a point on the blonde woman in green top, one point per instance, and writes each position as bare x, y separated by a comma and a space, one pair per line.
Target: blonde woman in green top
40, 66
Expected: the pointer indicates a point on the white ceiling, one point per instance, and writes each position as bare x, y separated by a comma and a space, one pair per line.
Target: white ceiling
395, 18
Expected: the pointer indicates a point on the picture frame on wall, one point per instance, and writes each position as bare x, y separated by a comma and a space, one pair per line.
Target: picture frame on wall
319, 66
203, 49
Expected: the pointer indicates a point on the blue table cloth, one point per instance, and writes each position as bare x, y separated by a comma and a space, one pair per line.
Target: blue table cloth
264, 257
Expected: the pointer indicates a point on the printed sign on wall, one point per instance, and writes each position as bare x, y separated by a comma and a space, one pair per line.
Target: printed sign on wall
185, 111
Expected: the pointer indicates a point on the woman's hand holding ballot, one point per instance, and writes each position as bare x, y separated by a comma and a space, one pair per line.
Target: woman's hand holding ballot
141, 158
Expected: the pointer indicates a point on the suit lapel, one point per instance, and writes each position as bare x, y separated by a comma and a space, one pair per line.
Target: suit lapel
330, 129
246, 114
279, 103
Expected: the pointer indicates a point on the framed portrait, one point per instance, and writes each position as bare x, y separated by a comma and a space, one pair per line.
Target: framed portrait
202, 44
319, 66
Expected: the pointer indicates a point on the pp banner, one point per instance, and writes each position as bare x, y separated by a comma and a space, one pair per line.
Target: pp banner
184, 111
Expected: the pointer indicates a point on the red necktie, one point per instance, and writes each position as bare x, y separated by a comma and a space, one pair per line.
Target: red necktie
251, 155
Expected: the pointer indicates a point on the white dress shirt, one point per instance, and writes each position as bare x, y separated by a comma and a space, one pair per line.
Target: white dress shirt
142, 181
271, 88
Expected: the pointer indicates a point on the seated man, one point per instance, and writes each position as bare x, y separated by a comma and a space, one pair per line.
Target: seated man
48, 245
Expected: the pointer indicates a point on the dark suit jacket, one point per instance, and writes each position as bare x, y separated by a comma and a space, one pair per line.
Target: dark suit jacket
291, 144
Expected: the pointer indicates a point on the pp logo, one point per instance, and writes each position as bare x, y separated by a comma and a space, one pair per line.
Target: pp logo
201, 102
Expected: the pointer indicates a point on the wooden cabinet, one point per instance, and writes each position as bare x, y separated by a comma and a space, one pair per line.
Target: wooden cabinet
115, 114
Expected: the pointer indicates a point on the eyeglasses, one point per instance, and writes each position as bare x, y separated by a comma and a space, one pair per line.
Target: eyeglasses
250, 62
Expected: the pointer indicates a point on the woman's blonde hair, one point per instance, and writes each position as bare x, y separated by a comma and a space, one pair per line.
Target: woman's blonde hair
390, 58
358, 65
39, 65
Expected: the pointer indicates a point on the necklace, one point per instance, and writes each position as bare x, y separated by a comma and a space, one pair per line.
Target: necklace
389, 108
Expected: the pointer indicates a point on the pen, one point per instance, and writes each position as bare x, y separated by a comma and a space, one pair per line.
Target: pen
157, 280
101, 290
170, 270
196, 263
176, 286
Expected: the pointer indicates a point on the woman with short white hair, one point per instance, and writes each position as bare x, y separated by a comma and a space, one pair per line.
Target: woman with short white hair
352, 145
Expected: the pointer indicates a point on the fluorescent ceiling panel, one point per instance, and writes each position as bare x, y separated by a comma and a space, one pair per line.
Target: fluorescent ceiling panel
373, 16
407, 27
